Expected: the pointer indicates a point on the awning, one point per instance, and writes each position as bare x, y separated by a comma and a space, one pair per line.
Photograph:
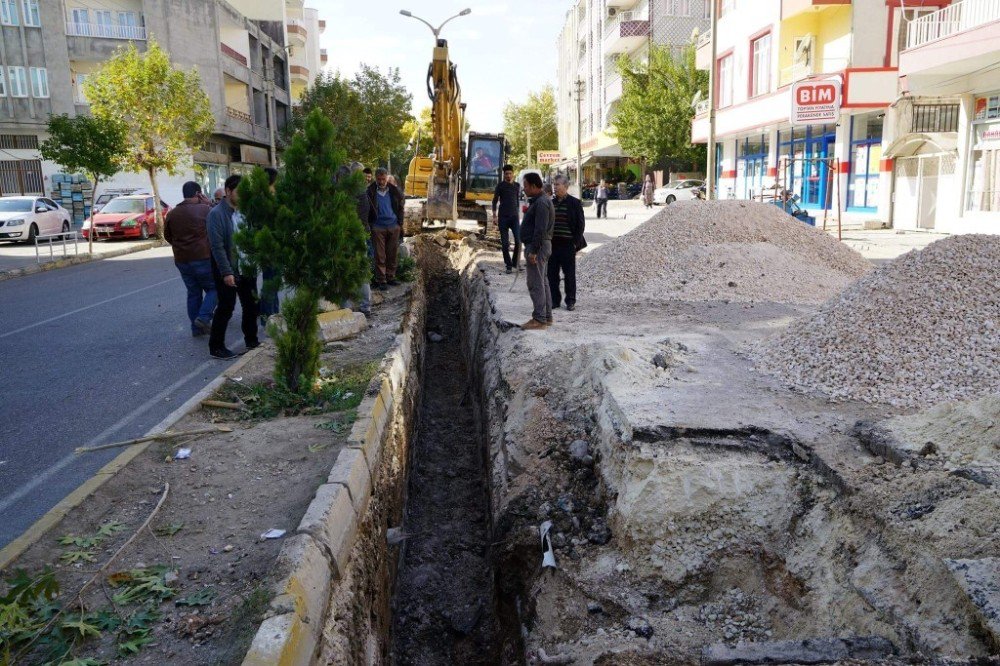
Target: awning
931, 143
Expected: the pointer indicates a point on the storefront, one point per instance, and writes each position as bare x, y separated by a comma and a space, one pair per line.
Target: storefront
866, 163
751, 166
983, 192
804, 156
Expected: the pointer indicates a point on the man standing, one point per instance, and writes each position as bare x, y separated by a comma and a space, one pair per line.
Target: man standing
368, 175
223, 222
386, 219
218, 196
567, 240
602, 200
536, 231
187, 234
508, 195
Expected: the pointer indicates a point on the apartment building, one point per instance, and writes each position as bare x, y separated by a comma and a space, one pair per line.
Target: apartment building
595, 34
306, 59
48, 48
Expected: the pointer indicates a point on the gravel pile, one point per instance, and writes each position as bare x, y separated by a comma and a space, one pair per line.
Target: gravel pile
722, 250
922, 329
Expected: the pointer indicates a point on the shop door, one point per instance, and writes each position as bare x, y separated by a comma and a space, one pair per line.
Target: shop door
815, 174
907, 193
930, 169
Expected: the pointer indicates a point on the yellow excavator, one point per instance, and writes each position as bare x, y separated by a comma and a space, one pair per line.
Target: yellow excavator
450, 183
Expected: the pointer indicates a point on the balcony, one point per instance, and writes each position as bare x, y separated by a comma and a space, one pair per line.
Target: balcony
322, 25
234, 54
106, 31
323, 57
297, 31
238, 115
299, 74
790, 8
956, 41
626, 32
962, 16
701, 109
622, 4
703, 51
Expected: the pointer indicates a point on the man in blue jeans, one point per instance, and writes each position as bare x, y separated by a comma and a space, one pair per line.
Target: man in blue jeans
186, 231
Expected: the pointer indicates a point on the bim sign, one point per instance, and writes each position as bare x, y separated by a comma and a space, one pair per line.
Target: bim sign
815, 102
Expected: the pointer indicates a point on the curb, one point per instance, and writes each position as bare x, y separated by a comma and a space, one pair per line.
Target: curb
77, 260
52, 517
316, 559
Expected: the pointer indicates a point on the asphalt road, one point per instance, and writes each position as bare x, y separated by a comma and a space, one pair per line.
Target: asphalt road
92, 354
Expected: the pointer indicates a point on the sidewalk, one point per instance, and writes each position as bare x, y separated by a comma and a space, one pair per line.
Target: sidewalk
19, 258
886, 244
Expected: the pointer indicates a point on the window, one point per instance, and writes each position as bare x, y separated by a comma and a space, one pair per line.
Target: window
18, 82
104, 27
18, 142
81, 97
81, 22
866, 158
726, 6
30, 12
760, 65
8, 12
984, 181
725, 91
39, 82
3, 84
683, 7
128, 24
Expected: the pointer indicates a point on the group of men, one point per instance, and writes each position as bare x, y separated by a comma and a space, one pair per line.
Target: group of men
551, 233
201, 232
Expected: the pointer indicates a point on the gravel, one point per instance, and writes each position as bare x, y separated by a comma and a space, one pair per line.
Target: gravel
723, 250
920, 330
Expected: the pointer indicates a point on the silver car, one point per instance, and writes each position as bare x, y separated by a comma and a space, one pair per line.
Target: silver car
23, 218
677, 191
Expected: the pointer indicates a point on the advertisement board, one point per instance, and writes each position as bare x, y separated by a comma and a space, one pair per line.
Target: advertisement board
815, 102
549, 156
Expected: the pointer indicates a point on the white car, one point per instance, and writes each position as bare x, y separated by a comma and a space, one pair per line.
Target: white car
676, 191
23, 218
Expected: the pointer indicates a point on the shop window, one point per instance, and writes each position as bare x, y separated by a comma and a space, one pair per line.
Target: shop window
866, 160
804, 164
984, 181
725, 91
760, 65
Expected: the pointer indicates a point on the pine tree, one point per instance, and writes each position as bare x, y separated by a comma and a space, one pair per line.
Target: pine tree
308, 230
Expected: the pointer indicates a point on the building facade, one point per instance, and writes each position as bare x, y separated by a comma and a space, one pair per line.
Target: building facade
305, 59
49, 48
595, 34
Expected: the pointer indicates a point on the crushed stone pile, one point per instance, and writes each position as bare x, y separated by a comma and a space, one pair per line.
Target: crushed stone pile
920, 330
741, 251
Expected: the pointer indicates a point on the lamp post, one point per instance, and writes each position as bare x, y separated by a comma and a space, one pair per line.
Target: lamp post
437, 30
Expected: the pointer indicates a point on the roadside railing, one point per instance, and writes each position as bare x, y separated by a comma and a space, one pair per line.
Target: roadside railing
953, 19
51, 240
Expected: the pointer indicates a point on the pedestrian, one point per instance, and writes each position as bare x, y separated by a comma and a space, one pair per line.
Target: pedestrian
536, 233
647, 191
368, 176
223, 222
363, 208
270, 281
186, 231
567, 240
218, 196
602, 199
508, 195
385, 218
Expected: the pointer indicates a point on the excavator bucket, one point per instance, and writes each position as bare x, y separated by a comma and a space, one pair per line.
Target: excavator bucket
442, 198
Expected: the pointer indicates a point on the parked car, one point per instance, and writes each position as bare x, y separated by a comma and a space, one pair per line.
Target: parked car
677, 191
23, 218
129, 216
108, 195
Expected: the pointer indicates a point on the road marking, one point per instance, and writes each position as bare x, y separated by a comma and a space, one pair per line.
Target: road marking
44, 477
87, 307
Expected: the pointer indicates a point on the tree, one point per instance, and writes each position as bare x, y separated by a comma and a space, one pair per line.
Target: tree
92, 146
165, 111
308, 230
537, 115
337, 99
654, 114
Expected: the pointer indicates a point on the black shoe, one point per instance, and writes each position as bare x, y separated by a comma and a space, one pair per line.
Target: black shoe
223, 354
509, 270
571, 306
393, 283
381, 286
202, 325
252, 345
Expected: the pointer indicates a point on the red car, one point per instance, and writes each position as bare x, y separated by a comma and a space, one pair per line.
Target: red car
129, 216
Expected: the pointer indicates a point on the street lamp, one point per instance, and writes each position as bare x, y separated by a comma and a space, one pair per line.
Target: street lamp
437, 30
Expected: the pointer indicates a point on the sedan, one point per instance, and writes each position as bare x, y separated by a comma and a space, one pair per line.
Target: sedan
676, 191
125, 217
24, 218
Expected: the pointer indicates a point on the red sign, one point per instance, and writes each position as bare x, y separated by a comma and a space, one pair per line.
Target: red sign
815, 102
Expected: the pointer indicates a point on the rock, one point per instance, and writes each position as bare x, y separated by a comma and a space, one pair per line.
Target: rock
435, 337
980, 581
595, 608
640, 626
599, 533
579, 449
341, 324
808, 651
661, 360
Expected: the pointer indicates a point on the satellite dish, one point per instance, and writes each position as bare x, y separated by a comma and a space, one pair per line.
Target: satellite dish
697, 98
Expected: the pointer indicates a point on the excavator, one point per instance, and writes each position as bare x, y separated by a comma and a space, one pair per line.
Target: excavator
450, 183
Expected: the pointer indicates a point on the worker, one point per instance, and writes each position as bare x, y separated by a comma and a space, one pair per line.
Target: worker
536, 233
567, 240
508, 195
386, 220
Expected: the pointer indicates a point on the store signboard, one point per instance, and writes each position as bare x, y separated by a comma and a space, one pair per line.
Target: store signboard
254, 155
987, 108
988, 136
815, 102
549, 156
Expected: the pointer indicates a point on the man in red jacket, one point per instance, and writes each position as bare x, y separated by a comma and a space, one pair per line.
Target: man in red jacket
187, 233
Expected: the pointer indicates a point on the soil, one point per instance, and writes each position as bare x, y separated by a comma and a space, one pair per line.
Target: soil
235, 487
444, 606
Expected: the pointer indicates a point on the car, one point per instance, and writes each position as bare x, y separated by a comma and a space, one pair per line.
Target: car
129, 216
108, 195
677, 191
22, 218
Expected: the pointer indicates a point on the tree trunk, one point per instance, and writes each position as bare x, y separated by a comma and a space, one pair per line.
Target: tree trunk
93, 200
157, 205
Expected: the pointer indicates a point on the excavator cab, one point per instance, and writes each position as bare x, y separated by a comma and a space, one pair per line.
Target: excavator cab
484, 165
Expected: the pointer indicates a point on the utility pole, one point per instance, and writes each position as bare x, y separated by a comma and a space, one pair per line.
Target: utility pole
710, 162
579, 132
269, 103
530, 161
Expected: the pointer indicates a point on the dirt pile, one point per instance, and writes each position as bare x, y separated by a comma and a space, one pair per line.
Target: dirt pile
920, 330
958, 434
723, 250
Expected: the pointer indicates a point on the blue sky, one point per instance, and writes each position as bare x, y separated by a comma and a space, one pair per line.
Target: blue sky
504, 49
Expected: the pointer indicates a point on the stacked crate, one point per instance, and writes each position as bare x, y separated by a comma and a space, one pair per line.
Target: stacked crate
75, 193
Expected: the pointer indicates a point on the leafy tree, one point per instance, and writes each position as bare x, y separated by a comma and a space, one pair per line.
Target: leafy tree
92, 146
308, 230
654, 114
537, 113
340, 103
165, 111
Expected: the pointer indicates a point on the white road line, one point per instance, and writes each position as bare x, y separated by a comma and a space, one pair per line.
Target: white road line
44, 477
86, 307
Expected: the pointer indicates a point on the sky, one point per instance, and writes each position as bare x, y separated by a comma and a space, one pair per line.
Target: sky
503, 49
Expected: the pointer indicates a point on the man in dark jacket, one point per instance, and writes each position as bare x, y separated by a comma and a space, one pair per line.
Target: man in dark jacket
186, 231
508, 195
567, 240
223, 222
536, 232
386, 221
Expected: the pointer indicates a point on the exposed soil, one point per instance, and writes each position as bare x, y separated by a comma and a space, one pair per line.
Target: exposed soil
444, 606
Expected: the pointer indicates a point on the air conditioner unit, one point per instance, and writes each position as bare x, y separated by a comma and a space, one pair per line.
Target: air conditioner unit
612, 11
804, 50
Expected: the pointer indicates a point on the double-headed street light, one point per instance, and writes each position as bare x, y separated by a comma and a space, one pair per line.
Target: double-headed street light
437, 30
